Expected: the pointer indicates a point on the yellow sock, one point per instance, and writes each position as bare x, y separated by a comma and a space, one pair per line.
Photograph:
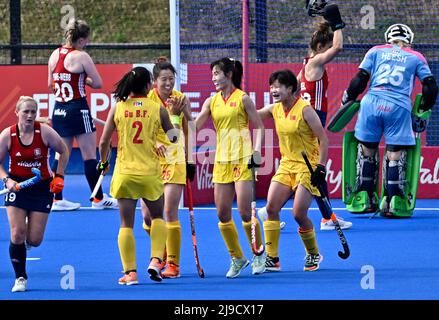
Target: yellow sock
248, 232
173, 241
158, 238
309, 240
127, 249
146, 228
230, 236
272, 235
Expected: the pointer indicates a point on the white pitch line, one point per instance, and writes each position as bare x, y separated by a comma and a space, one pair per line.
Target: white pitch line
213, 208
33, 259
315, 209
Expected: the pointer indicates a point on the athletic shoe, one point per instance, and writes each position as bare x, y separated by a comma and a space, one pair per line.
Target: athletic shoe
154, 269
65, 205
129, 279
328, 224
163, 263
312, 262
272, 264
236, 265
258, 263
105, 203
263, 216
372, 206
172, 271
20, 285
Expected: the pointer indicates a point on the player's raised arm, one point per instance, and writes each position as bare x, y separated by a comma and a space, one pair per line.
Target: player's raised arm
204, 114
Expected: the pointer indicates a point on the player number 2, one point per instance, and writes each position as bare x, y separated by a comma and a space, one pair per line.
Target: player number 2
139, 126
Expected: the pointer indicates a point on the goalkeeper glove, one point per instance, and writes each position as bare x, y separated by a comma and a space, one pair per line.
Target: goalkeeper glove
332, 15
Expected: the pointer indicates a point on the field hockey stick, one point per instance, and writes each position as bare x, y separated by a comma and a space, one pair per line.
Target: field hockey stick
192, 220
99, 121
257, 251
101, 176
26, 183
346, 253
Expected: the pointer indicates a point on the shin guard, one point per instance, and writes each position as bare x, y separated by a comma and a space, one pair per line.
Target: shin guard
360, 175
400, 183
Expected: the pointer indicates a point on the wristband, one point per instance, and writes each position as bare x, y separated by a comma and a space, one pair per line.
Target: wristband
175, 119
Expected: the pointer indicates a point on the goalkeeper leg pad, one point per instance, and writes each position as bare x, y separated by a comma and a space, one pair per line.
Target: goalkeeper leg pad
400, 183
360, 174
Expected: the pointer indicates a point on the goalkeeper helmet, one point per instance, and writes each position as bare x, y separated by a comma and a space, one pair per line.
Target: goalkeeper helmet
399, 31
315, 7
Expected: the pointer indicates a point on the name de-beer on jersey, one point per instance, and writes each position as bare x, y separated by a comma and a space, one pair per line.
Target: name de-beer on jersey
62, 76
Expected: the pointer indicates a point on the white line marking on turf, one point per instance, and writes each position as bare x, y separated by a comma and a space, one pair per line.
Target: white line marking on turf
313, 209
33, 259
213, 208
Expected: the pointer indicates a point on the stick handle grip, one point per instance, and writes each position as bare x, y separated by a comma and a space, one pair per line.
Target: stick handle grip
97, 186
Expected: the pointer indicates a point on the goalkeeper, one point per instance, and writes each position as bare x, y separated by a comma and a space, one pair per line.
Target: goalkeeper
386, 110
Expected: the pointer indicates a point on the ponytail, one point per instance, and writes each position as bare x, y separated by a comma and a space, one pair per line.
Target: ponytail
230, 65
76, 29
135, 81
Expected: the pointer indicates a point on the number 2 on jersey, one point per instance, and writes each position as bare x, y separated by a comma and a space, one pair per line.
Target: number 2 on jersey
139, 126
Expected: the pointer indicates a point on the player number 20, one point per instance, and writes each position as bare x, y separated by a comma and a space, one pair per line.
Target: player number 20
63, 92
